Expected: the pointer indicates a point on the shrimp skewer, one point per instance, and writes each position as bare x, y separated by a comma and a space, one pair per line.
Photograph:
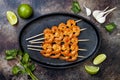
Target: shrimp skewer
33, 46
60, 57
34, 49
39, 42
44, 38
46, 30
59, 42
48, 37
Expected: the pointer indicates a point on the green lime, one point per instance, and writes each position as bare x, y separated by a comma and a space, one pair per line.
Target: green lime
12, 18
99, 59
91, 69
25, 11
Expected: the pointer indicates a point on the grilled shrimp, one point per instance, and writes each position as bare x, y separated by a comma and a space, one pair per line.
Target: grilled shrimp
74, 40
47, 30
44, 53
68, 32
65, 47
76, 30
54, 55
71, 22
62, 26
54, 29
47, 47
66, 39
74, 47
58, 35
49, 37
72, 57
56, 48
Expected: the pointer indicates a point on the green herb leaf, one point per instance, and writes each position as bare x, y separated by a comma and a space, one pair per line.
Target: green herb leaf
16, 70
20, 52
25, 58
11, 52
32, 67
9, 57
75, 7
23, 71
110, 27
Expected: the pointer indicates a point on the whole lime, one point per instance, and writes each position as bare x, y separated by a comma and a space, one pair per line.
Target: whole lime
25, 11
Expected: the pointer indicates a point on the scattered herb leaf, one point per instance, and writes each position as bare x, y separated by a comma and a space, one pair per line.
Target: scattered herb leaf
75, 7
25, 65
16, 70
110, 27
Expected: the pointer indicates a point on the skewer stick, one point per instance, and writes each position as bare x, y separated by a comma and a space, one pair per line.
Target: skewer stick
39, 42
37, 39
82, 49
34, 49
36, 42
43, 33
83, 29
44, 38
81, 56
34, 46
78, 20
34, 36
40, 50
83, 40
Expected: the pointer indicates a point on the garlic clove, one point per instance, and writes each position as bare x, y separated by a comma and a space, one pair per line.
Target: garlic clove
88, 11
95, 13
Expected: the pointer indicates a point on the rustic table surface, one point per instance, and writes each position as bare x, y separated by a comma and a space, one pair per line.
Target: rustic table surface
109, 70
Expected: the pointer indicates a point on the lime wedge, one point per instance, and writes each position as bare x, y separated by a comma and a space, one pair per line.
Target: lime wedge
99, 59
91, 69
12, 18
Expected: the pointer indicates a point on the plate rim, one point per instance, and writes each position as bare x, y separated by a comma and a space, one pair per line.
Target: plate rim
61, 13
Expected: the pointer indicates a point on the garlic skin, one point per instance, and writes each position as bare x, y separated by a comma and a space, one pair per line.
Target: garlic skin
88, 11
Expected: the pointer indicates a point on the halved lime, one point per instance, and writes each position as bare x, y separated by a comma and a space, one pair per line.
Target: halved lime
92, 69
12, 18
99, 59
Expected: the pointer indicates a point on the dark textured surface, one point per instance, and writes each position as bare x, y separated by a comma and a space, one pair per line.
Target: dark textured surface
109, 70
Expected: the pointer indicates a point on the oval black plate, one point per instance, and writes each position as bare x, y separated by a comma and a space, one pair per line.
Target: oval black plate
37, 26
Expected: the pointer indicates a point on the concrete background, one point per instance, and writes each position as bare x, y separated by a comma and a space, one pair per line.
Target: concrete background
109, 70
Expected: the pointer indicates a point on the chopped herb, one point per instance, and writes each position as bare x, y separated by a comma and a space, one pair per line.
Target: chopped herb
75, 7
16, 70
24, 66
110, 27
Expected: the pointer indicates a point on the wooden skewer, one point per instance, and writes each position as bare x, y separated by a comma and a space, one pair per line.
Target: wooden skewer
34, 36
34, 49
81, 56
34, 46
83, 29
36, 40
43, 33
82, 49
83, 40
39, 42
78, 20
40, 50
32, 42
44, 38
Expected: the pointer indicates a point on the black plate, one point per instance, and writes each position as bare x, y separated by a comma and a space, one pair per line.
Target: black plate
37, 26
